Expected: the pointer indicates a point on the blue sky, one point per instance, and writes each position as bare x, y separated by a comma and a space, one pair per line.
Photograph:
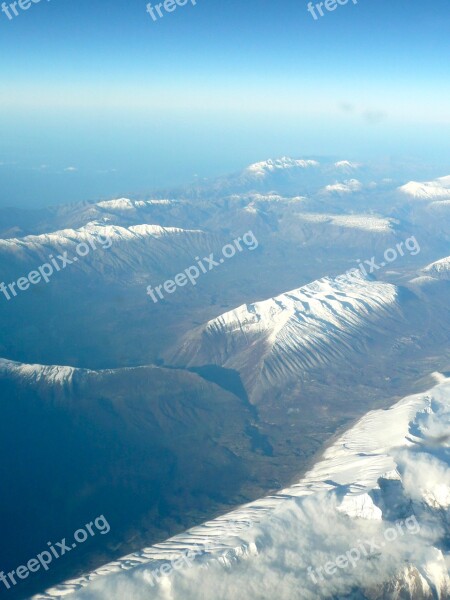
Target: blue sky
97, 99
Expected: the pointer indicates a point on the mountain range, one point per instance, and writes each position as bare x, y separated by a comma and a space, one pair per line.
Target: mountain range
166, 415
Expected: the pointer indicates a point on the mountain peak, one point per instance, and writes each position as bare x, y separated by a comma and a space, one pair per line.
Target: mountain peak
302, 329
260, 169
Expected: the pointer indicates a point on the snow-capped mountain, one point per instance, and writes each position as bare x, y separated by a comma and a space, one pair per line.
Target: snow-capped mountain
380, 494
347, 166
134, 252
121, 211
439, 269
273, 341
45, 375
262, 169
346, 232
437, 190
283, 175
346, 187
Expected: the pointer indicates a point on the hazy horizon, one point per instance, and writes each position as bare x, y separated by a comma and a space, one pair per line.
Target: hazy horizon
108, 102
